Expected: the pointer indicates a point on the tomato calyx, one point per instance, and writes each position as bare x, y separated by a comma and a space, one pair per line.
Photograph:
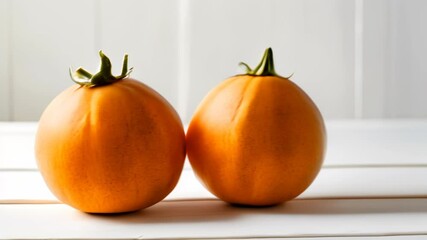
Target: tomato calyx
264, 68
104, 75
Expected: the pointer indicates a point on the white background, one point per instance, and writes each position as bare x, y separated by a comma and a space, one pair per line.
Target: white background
355, 58
358, 60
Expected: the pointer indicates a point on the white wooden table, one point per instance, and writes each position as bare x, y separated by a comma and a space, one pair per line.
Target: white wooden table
373, 183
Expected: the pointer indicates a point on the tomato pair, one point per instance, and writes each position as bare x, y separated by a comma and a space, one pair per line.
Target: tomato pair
112, 144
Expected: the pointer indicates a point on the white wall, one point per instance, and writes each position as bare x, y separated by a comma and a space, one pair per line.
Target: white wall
355, 58
395, 54
4, 63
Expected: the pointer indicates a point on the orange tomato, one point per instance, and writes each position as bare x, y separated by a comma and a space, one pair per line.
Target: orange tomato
111, 145
256, 139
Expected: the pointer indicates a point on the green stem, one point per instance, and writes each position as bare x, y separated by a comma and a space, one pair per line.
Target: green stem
103, 77
264, 68
82, 73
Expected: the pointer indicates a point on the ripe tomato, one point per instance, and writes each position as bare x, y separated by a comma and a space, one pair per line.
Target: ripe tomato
110, 144
257, 139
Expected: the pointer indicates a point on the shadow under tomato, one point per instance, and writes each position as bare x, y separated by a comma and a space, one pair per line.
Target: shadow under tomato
245, 206
177, 211
196, 211
349, 206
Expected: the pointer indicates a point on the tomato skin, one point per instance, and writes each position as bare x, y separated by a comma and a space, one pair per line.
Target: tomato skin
256, 140
109, 149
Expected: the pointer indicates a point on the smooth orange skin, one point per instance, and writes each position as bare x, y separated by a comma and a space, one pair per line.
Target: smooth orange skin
110, 149
256, 140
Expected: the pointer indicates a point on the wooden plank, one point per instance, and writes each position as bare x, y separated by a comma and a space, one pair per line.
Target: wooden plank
406, 86
213, 219
331, 183
376, 53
